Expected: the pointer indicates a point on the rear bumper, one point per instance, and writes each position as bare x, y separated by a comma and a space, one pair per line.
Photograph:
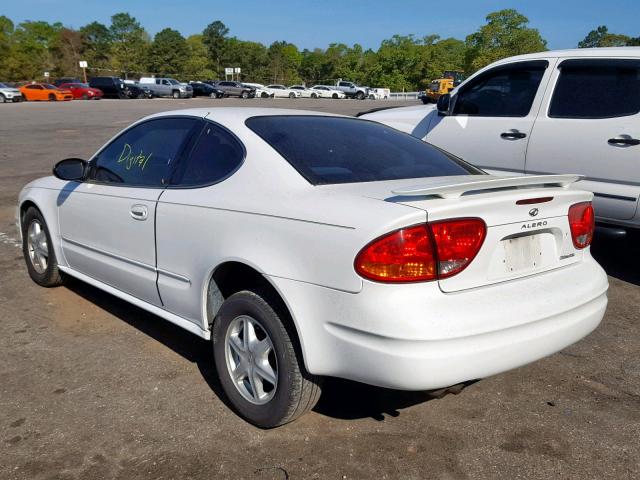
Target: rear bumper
414, 337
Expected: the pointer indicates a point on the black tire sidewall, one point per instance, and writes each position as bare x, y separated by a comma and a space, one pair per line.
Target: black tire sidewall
248, 303
46, 278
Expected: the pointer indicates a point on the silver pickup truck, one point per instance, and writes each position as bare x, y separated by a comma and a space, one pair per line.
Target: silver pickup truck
167, 87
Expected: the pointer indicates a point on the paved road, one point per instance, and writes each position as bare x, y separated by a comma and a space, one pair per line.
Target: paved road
93, 388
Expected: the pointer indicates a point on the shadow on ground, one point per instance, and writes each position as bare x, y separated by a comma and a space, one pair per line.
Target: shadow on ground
341, 399
620, 257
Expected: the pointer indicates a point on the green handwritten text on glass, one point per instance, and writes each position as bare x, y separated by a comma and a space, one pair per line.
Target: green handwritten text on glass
131, 160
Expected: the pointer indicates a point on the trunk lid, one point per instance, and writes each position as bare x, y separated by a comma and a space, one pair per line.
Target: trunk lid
527, 223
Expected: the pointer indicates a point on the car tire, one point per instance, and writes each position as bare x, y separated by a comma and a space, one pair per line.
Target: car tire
334, 96
244, 95
314, 95
264, 95
52, 97
175, 94
360, 96
3, 99
292, 95
85, 96
274, 354
38, 251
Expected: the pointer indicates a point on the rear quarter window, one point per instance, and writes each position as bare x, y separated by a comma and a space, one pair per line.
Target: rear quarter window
330, 150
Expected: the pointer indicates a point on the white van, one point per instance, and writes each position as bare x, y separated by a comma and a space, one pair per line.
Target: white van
570, 111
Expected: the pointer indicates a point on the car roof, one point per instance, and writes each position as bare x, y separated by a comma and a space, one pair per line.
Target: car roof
221, 114
579, 52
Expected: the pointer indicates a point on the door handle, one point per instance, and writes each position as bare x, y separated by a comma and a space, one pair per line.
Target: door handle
623, 141
512, 135
139, 212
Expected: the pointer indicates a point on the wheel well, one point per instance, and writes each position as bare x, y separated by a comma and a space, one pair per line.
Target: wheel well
23, 209
232, 277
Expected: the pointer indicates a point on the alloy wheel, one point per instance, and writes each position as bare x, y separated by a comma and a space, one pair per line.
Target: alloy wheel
38, 247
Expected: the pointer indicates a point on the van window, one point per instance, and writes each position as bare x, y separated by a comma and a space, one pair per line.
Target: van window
596, 88
143, 155
503, 91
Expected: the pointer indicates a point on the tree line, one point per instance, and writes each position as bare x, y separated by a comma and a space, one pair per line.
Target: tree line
124, 48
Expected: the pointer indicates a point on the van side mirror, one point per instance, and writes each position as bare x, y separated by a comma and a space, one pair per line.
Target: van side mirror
71, 169
444, 104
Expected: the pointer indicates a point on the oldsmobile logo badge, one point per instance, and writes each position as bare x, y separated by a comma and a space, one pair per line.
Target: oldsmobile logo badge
533, 212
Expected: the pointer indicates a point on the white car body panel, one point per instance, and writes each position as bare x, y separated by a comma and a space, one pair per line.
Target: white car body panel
551, 145
325, 91
303, 240
280, 91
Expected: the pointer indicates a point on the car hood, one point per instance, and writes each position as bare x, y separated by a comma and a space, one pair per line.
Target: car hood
10, 90
414, 120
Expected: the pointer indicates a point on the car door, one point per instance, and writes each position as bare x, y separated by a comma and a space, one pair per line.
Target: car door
36, 92
107, 223
189, 226
590, 124
492, 116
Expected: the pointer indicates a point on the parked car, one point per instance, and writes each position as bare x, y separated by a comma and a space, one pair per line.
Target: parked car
325, 91
201, 89
280, 91
115, 87
44, 91
82, 91
379, 93
167, 87
551, 112
9, 94
304, 91
234, 89
351, 90
261, 90
369, 263
59, 81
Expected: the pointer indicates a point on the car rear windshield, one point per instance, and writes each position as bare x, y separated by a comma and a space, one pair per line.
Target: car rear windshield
329, 150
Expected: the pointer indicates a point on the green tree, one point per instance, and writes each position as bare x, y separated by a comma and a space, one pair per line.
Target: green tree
600, 37
129, 44
214, 37
67, 49
251, 57
197, 64
97, 40
505, 34
284, 61
168, 53
6, 46
32, 54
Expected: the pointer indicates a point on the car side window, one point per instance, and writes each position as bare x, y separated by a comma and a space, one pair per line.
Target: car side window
596, 88
504, 91
216, 154
144, 155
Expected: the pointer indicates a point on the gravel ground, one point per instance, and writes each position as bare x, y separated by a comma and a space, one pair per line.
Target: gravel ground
93, 388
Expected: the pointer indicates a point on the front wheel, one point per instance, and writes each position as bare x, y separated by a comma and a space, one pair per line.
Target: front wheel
38, 250
314, 95
244, 95
52, 97
334, 96
292, 95
260, 370
360, 96
176, 94
2, 98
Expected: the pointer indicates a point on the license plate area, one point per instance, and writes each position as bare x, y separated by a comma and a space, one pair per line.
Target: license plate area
522, 253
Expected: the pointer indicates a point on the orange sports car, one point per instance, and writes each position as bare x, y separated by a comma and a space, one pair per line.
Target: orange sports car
44, 91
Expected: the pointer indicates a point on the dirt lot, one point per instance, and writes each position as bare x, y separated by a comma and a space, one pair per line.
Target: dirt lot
93, 388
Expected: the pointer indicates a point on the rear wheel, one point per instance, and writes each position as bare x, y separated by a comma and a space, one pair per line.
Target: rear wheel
292, 95
244, 95
359, 96
52, 97
38, 250
314, 95
334, 96
264, 95
260, 369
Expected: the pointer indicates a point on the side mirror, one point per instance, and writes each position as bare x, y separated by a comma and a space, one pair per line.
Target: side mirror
444, 104
71, 169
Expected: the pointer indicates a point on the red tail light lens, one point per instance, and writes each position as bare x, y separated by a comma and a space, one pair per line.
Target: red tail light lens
582, 222
422, 253
405, 255
458, 242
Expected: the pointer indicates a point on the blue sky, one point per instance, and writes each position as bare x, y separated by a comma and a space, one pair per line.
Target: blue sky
563, 23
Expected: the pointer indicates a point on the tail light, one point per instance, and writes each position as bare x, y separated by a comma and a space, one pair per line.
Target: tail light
423, 252
582, 223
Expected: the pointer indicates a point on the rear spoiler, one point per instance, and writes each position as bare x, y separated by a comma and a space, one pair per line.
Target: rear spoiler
455, 190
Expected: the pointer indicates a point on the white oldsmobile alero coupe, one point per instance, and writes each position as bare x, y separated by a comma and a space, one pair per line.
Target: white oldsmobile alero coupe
357, 252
